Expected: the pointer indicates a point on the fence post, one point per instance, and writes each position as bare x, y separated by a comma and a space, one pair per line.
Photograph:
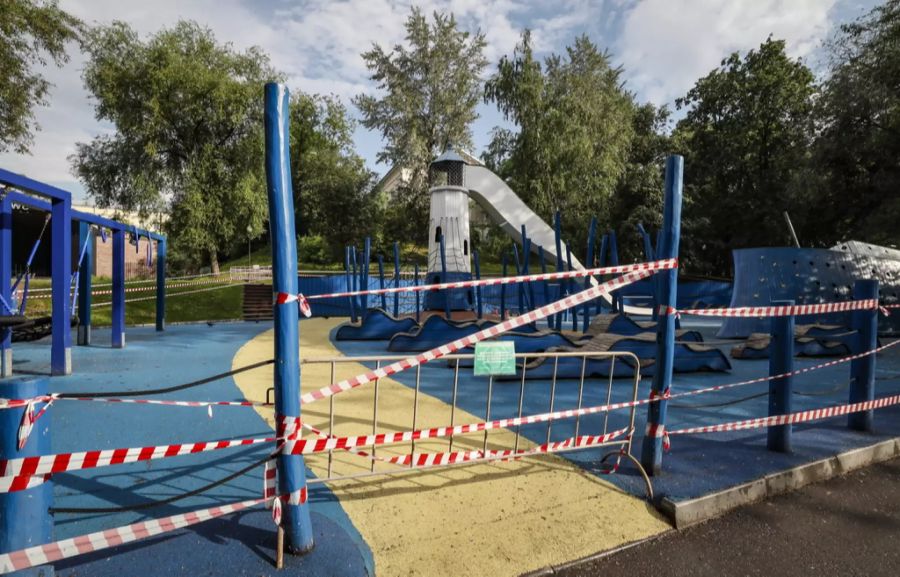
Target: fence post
118, 289
652, 449
5, 282
291, 470
862, 370
61, 282
781, 361
85, 272
24, 517
161, 284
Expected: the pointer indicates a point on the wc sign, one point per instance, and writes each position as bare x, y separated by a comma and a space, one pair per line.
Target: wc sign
495, 358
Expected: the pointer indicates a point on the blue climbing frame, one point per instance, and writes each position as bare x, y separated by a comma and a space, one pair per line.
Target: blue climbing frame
25, 191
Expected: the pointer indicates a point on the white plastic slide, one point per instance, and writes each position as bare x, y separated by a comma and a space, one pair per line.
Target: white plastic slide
505, 208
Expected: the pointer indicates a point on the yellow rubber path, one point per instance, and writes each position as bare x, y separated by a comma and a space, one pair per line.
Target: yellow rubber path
499, 519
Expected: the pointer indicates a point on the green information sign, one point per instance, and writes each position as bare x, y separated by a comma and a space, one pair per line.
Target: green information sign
495, 358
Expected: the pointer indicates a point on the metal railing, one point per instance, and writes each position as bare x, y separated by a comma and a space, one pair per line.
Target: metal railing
370, 410
250, 273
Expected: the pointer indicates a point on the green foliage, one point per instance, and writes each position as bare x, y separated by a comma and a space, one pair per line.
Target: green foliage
32, 33
188, 118
430, 89
575, 127
746, 138
333, 190
313, 250
857, 154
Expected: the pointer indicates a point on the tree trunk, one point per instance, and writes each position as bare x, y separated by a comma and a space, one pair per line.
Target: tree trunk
214, 261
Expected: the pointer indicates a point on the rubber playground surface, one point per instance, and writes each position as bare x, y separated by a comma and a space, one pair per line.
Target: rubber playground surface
497, 519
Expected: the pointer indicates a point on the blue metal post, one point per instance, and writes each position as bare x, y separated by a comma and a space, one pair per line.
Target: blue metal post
589, 263
381, 282
570, 283
556, 320
652, 449
5, 281
781, 361
418, 296
614, 261
396, 278
61, 282
478, 303
24, 517
118, 289
355, 280
520, 290
526, 267
161, 284
542, 257
447, 294
85, 272
503, 290
862, 371
349, 273
604, 248
291, 470
364, 272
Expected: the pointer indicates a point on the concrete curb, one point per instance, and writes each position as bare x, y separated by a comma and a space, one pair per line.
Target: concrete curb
686, 513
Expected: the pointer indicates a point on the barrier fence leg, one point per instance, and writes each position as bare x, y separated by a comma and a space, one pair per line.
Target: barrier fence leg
291, 468
86, 271
652, 449
781, 360
5, 282
862, 371
118, 290
161, 284
24, 517
61, 283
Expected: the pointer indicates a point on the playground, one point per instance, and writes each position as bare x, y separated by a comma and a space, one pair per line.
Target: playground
387, 420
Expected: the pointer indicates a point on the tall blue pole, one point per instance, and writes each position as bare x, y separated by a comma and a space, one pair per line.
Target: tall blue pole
614, 261
520, 290
416, 283
526, 265
556, 320
396, 278
478, 303
349, 274
291, 469
381, 282
571, 288
542, 258
355, 281
781, 361
503, 289
364, 271
118, 289
5, 282
447, 293
161, 284
589, 263
85, 271
652, 449
24, 517
61, 273
862, 370
604, 248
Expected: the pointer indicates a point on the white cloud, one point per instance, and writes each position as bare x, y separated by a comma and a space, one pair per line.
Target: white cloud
667, 44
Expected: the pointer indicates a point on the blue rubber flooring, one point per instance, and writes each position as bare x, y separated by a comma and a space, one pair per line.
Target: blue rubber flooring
697, 464
239, 544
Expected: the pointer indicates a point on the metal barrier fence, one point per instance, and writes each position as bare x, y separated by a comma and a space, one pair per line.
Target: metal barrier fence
363, 412
250, 273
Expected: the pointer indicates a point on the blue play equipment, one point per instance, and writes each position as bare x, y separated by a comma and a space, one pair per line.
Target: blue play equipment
434, 332
378, 325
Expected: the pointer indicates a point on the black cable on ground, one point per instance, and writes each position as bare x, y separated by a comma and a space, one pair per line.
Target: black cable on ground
172, 389
836, 389
167, 501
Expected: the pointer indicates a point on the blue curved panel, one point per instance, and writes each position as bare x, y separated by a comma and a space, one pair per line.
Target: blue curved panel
378, 325
808, 276
434, 332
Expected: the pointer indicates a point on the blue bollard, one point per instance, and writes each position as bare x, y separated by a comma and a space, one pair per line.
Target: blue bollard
291, 469
652, 449
25, 519
862, 371
118, 290
161, 284
781, 360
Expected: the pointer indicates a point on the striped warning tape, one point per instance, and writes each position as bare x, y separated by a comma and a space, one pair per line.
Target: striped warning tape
527, 318
775, 311
223, 282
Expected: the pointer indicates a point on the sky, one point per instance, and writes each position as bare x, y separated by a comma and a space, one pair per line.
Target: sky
664, 46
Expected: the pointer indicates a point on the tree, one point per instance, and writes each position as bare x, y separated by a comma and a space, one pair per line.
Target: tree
430, 90
188, 124
30, 33
746, 138
333, 189
857, 153
574, 130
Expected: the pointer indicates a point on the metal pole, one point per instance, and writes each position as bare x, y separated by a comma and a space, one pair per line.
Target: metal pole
24, 517
161, 284
787, 219
364, 271
85, 272
416, 283
571, 288
614, 261
652, 450
862, 371
118, 290
556, 320
520, 290
291, 470
446, 293
396, 278
604, 247
479, 305
526, 265
781, 361
381, 282
589, 263
6, 357
502, 289
61, 271
349, 274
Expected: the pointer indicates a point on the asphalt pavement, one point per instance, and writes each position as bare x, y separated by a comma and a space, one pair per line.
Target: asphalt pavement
845, 526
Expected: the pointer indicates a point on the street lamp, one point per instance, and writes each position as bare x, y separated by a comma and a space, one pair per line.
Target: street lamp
249, 238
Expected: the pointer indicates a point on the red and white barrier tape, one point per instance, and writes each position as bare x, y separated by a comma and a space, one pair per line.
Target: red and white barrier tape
224, 282
775, 311
667, 264
530, 317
